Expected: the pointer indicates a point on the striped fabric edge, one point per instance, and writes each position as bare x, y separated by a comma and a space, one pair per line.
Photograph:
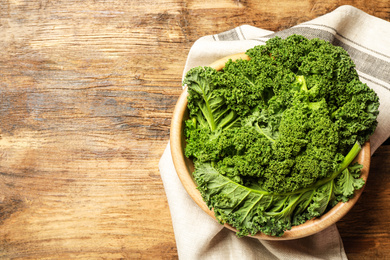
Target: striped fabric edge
350, 41
234, 34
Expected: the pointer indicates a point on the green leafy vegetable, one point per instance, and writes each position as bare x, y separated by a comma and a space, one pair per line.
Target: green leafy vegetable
272, 138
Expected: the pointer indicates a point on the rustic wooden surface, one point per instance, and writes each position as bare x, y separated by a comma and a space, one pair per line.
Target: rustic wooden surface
87, 91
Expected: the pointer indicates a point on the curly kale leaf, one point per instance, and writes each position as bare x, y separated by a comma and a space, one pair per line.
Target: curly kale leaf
357, 116
205, 103
251, 209
247, 85
347, 182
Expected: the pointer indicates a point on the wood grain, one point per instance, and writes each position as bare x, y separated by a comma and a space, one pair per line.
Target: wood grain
87, 90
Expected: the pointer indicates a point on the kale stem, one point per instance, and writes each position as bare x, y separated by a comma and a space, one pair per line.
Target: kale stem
302, 81
260, 131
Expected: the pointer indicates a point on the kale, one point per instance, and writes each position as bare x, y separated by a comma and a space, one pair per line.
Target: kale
273, 137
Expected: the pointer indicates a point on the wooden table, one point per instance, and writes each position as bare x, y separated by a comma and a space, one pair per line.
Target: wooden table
87, 91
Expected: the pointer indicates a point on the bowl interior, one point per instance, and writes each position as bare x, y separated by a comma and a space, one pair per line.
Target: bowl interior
184, 168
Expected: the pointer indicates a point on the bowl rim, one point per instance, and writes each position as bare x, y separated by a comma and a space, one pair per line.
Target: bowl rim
184, 168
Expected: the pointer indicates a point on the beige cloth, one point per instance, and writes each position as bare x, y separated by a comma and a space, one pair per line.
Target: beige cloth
367, 39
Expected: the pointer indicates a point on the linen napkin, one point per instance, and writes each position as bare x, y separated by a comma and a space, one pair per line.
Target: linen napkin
367, 40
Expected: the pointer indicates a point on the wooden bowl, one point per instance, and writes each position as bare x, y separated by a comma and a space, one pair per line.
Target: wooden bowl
184, 168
